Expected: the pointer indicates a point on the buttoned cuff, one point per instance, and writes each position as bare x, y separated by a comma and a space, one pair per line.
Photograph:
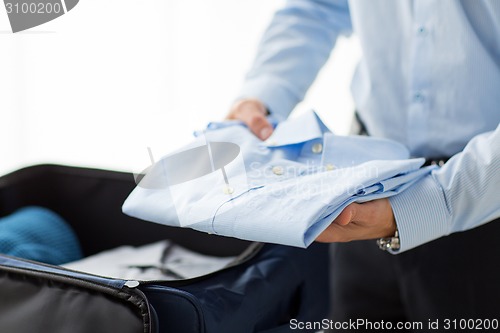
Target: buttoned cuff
421, 213
274, 93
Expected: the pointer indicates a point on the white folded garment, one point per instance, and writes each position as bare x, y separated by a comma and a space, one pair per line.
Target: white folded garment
162, 260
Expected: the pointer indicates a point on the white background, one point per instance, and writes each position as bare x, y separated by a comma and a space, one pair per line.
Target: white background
100, 84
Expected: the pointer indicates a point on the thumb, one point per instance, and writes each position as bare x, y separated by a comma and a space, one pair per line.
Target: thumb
260, 127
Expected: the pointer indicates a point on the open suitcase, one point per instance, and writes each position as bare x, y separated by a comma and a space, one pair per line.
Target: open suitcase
266, 287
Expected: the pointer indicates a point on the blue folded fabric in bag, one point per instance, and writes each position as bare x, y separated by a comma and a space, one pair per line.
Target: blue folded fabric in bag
38, 234
286, 190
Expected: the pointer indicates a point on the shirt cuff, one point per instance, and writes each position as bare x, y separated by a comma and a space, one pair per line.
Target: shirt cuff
421, 214
279, 99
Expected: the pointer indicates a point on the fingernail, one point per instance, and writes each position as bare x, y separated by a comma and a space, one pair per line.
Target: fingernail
265, 133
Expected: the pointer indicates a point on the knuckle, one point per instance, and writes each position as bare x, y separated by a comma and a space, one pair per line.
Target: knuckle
256, 121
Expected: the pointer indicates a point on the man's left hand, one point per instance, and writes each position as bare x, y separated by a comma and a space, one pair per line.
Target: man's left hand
369, 220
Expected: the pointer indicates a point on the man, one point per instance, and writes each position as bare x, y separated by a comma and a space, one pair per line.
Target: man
429, 78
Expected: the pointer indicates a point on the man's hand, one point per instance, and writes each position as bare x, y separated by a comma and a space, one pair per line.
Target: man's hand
253, 113
369, 220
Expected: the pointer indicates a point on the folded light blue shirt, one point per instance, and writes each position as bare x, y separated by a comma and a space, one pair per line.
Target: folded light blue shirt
286, 190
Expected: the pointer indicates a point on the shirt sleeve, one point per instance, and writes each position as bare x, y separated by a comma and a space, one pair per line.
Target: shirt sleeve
295, 46
461, 195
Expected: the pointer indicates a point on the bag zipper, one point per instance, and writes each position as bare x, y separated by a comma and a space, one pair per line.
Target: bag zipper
126, 286
109, 285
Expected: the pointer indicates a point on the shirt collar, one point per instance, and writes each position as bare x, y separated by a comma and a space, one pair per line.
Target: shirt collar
305, 127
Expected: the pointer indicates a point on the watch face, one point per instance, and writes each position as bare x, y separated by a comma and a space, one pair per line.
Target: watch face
391, 243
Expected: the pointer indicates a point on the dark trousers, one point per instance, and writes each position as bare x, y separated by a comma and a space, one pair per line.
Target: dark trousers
454, 277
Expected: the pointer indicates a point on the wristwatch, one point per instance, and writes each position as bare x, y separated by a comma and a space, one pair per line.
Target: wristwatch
389, 243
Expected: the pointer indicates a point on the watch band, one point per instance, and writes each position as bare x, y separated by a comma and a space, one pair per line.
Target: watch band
389, 243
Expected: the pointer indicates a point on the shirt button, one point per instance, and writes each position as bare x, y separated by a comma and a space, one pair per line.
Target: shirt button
228, 190
317, 148
418, 97
277, 170
421, 31
330, 167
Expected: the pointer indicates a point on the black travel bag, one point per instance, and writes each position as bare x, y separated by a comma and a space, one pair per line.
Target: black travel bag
261, 291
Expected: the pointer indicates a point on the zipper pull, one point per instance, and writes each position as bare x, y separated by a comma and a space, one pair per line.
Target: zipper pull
132, 284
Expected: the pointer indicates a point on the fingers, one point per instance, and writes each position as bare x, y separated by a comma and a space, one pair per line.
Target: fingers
340, 229
369, 220
334, 233
347, 215
253, 113
376, 216
364, 212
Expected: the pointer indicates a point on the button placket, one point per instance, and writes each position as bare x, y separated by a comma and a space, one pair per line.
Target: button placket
326, 164
420, 90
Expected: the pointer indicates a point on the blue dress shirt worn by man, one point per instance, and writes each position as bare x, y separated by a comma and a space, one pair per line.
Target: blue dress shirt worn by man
429, 78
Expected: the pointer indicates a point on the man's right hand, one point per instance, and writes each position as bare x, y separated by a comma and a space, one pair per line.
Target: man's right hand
253, 113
